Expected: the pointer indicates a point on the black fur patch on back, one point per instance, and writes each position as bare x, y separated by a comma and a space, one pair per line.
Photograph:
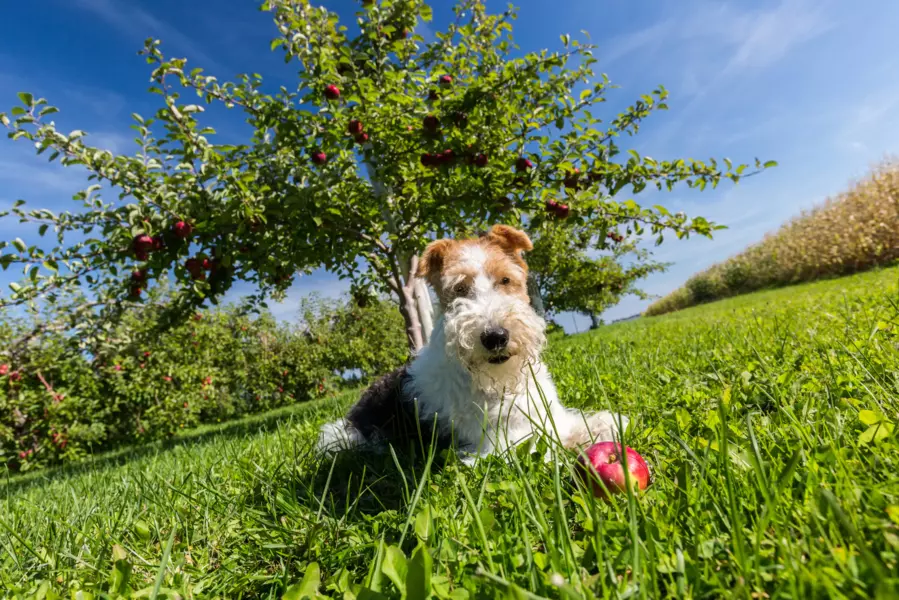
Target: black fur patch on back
385, 412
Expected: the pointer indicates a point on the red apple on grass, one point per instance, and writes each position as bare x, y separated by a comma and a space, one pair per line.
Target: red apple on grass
600, 467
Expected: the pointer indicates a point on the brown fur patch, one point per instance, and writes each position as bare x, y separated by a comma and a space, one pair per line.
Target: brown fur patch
445, 260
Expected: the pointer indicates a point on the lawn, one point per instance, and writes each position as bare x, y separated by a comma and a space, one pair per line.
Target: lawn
768, 420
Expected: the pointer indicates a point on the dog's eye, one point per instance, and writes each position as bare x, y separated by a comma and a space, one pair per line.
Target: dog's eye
505, 281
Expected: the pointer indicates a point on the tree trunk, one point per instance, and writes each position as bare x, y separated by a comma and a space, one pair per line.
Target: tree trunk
409, 310
534, 295
425, 310
595, 321
415, 302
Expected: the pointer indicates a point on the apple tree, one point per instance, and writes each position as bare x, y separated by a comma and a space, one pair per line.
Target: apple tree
385, 141
585, 269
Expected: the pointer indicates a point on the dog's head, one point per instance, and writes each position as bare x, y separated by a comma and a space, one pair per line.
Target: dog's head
482, 286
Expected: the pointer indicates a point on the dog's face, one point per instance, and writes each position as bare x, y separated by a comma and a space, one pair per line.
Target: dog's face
482, 286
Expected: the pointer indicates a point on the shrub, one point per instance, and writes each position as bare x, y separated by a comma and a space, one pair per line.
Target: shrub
854, 232
61, 399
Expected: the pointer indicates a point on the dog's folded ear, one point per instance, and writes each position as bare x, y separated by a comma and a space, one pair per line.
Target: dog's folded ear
510, 239
431, 262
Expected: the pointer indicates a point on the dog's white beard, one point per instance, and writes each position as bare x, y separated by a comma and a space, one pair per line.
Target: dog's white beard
467, 319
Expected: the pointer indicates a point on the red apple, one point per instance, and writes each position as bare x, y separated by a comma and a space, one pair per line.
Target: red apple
183, 229
142, 245
427, 160
447, 156
446, 80
158, 242
600, 467
433, 95
571, 180
195, 267
15, 376
332, 92
430, 123
319, 158
562, 211
552, 206
355, 127
138, 276
523, 164
136, 291
4, 369
362, 138
480, 160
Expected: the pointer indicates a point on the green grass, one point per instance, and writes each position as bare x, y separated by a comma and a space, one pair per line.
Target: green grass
768, 420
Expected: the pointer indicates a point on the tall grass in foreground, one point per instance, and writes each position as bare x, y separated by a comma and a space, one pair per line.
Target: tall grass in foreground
768, 420
853, 232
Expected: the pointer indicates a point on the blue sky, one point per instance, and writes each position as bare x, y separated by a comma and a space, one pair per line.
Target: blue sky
810, 83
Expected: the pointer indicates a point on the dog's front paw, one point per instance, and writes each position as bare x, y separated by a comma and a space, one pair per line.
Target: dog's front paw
468, 459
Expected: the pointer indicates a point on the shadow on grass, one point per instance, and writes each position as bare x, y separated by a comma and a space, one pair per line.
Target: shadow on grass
353, 484
251, 425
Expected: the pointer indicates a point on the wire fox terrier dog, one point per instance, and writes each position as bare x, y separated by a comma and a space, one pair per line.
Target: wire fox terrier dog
479, 384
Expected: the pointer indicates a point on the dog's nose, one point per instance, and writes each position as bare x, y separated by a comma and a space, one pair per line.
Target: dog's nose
495, 338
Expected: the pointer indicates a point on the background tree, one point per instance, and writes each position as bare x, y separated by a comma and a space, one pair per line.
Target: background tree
385, 142
586, 269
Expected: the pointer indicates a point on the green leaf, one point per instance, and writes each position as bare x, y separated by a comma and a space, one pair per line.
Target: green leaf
418, 577
48, 110
868, 417
43, 229
142, 530
770, 163
51, 265
19, 245
4, 120
424, 528
26, 98
308, 587
876, 433
121, 570
395, 568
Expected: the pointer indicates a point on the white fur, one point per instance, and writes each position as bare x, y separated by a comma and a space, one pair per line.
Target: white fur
489, 408
338, 436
